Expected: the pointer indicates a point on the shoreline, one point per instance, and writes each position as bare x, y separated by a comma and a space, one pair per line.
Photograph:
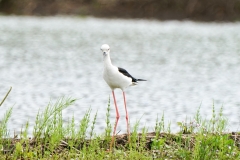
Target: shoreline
206, 11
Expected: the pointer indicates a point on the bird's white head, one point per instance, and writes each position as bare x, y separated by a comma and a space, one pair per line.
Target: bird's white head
105, 49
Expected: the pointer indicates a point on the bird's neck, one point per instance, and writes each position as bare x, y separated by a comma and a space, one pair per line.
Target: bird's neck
107, 60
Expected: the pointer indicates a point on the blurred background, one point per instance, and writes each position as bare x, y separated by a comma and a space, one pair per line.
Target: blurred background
187, 50
207, 10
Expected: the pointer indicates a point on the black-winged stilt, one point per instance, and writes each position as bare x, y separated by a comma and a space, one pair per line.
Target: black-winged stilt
117, 77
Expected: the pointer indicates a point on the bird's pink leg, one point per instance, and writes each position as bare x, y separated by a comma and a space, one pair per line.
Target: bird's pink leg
128, 128
117, 118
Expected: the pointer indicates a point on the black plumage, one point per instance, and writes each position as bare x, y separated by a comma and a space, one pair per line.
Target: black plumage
124, 72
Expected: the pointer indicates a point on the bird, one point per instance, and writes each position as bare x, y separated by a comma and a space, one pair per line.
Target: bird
117, 77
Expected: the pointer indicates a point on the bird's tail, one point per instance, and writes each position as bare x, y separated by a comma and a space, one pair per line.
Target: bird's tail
141, 80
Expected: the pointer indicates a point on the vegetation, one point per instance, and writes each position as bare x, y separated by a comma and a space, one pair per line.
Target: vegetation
52, 139
5, 96
204, 10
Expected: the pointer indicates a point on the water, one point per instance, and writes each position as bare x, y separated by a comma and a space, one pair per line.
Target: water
187, 64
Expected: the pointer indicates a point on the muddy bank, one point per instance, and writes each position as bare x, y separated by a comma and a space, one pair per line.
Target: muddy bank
201, 10
121, 141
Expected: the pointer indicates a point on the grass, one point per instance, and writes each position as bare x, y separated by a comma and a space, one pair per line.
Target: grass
197, 139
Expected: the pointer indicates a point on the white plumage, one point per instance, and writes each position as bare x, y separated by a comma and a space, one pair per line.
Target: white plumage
116, 77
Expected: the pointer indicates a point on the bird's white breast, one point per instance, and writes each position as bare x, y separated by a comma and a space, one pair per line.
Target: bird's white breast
114, 78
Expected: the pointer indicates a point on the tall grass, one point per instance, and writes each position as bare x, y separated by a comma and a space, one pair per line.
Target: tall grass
5, 96
7, 115
198, 138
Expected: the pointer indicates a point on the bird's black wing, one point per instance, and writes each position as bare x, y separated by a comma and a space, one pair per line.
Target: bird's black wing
124, 72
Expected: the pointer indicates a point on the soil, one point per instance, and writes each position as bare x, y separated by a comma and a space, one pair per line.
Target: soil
121, 142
